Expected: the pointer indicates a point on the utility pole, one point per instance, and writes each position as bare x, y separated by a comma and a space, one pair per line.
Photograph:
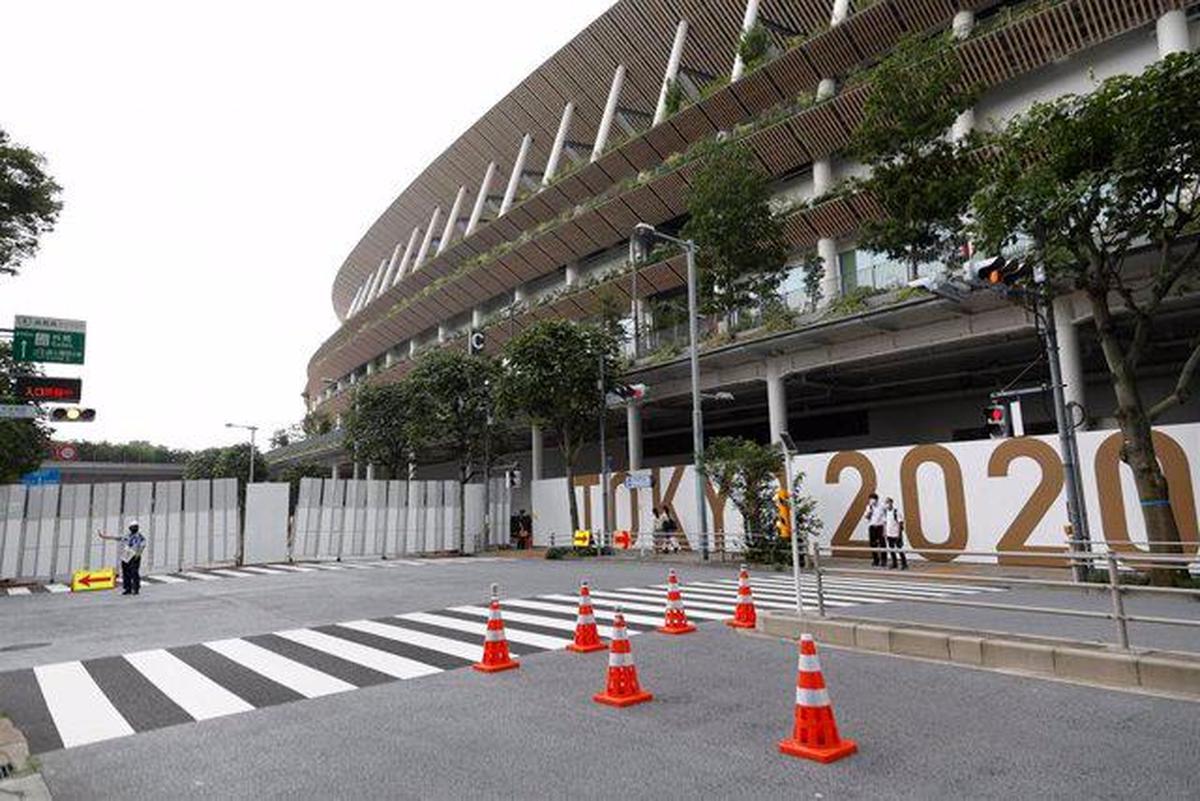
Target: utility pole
603, 455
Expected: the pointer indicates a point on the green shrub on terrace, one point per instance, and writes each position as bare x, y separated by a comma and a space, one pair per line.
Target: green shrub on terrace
754, 47
673, 101
854, 301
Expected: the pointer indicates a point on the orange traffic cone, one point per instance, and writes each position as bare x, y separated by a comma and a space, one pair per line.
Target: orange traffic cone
744, 616
815, 735
622, 688
495, 645
676, 619
587, 639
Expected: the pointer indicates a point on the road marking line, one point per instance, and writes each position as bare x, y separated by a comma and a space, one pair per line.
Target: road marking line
514, 634
19, 591
166, 579
309, 682
231, 573
354, 566
533, 620
636, 602
324, 566
293, 568
573, 608
81, 711
56, 588
199, 576
714, 600
266, 571
382, 661
195, 693
431, 642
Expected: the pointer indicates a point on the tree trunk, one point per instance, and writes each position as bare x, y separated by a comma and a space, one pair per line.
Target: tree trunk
462, 510
1138, 447
569, 461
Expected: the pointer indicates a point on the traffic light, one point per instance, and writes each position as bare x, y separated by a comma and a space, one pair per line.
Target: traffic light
995, 415
72, 414
783, 514
1002, 272
630, 392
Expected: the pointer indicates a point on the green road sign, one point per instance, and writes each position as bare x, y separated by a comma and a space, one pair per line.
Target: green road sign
48, 339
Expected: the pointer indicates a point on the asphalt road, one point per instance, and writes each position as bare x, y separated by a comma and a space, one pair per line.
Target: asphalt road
723, 700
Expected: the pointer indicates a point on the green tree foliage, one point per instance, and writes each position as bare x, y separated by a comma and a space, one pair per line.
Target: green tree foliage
23, 443
316, 424
292, 475
748, 473
922, 180
740, 239
133, 452
232, 461
29, 203
553, 379
754, 46
386, 425
456, 409
1103, 189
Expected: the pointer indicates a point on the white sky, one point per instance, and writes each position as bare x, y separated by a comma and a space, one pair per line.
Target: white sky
219, 160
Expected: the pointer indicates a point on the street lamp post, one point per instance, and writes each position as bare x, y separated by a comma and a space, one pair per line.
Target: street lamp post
241, 552
643, 234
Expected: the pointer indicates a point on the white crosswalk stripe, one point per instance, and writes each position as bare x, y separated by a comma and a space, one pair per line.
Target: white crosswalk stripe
262, 571
57, 588
165, 578
94, 699
19, 591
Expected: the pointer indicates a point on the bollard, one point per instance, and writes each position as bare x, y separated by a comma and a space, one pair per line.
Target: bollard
1114, 586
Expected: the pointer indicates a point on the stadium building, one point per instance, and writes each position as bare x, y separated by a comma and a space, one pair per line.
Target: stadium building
528, 214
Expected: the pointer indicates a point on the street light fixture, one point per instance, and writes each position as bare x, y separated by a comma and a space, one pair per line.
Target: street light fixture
639, 246
253, 430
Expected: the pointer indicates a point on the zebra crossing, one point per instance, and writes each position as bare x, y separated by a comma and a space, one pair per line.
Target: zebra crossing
75, 703
269, 569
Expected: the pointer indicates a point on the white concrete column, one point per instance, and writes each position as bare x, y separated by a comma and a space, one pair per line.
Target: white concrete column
370, 471
1069, 355
425, 243
443, 333
514, 180
841, 10
537, 453
374, 282
520, 294
1171, 32
831, 282
633, 423
822, 171
452, 220
610, 108
826, 88
484, 187
660, 111
776, 402
964, 123
412, 348
355, 474
572, 274
389, 275
333, 470
477, 318
748, 20
402, 268
353, 307
963, 24
560, 139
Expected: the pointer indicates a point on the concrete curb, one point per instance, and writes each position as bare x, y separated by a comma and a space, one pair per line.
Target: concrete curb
1158, 672
18, 774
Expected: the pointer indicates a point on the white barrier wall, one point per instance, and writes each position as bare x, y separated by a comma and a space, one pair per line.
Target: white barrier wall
999, 496
337, 518
49, 531
266, 523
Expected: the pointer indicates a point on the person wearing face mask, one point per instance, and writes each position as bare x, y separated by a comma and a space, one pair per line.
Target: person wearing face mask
893, 529
132, 545
875, 535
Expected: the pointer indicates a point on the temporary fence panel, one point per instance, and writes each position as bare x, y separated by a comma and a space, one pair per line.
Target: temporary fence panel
106, 517
307, 518
266, 522
551, 517
395, 542
40, 529
12, 507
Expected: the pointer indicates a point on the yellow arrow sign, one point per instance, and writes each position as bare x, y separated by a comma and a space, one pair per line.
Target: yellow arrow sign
582, 538
85, 580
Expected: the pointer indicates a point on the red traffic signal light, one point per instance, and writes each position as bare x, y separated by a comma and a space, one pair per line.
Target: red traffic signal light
995, 416
1001, 272
72, 414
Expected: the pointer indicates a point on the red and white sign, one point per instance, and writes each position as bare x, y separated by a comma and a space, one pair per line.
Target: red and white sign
65, 452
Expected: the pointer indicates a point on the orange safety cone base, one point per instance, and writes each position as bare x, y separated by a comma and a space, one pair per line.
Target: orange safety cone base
824, 755
496, 668
684, 629
622, 701
587, 649
739, 624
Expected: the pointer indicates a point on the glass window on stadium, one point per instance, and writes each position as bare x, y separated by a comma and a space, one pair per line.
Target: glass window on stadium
866, 268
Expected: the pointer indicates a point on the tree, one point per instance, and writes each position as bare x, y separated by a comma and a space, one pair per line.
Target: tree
292, 475
316, 424
1102, 188
748, 473
741, 248
135, 451
1100, 192
921, 178
23, 443
456, 409
552, 377
385, 425
29, 203
228, 462
280, 438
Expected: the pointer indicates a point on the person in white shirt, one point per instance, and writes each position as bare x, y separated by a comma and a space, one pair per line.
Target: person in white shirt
893, 529
875, 536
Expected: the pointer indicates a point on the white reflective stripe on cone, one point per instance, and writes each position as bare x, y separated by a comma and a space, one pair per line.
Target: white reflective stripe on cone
494, 635
812, 697
809, 664
619, 660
